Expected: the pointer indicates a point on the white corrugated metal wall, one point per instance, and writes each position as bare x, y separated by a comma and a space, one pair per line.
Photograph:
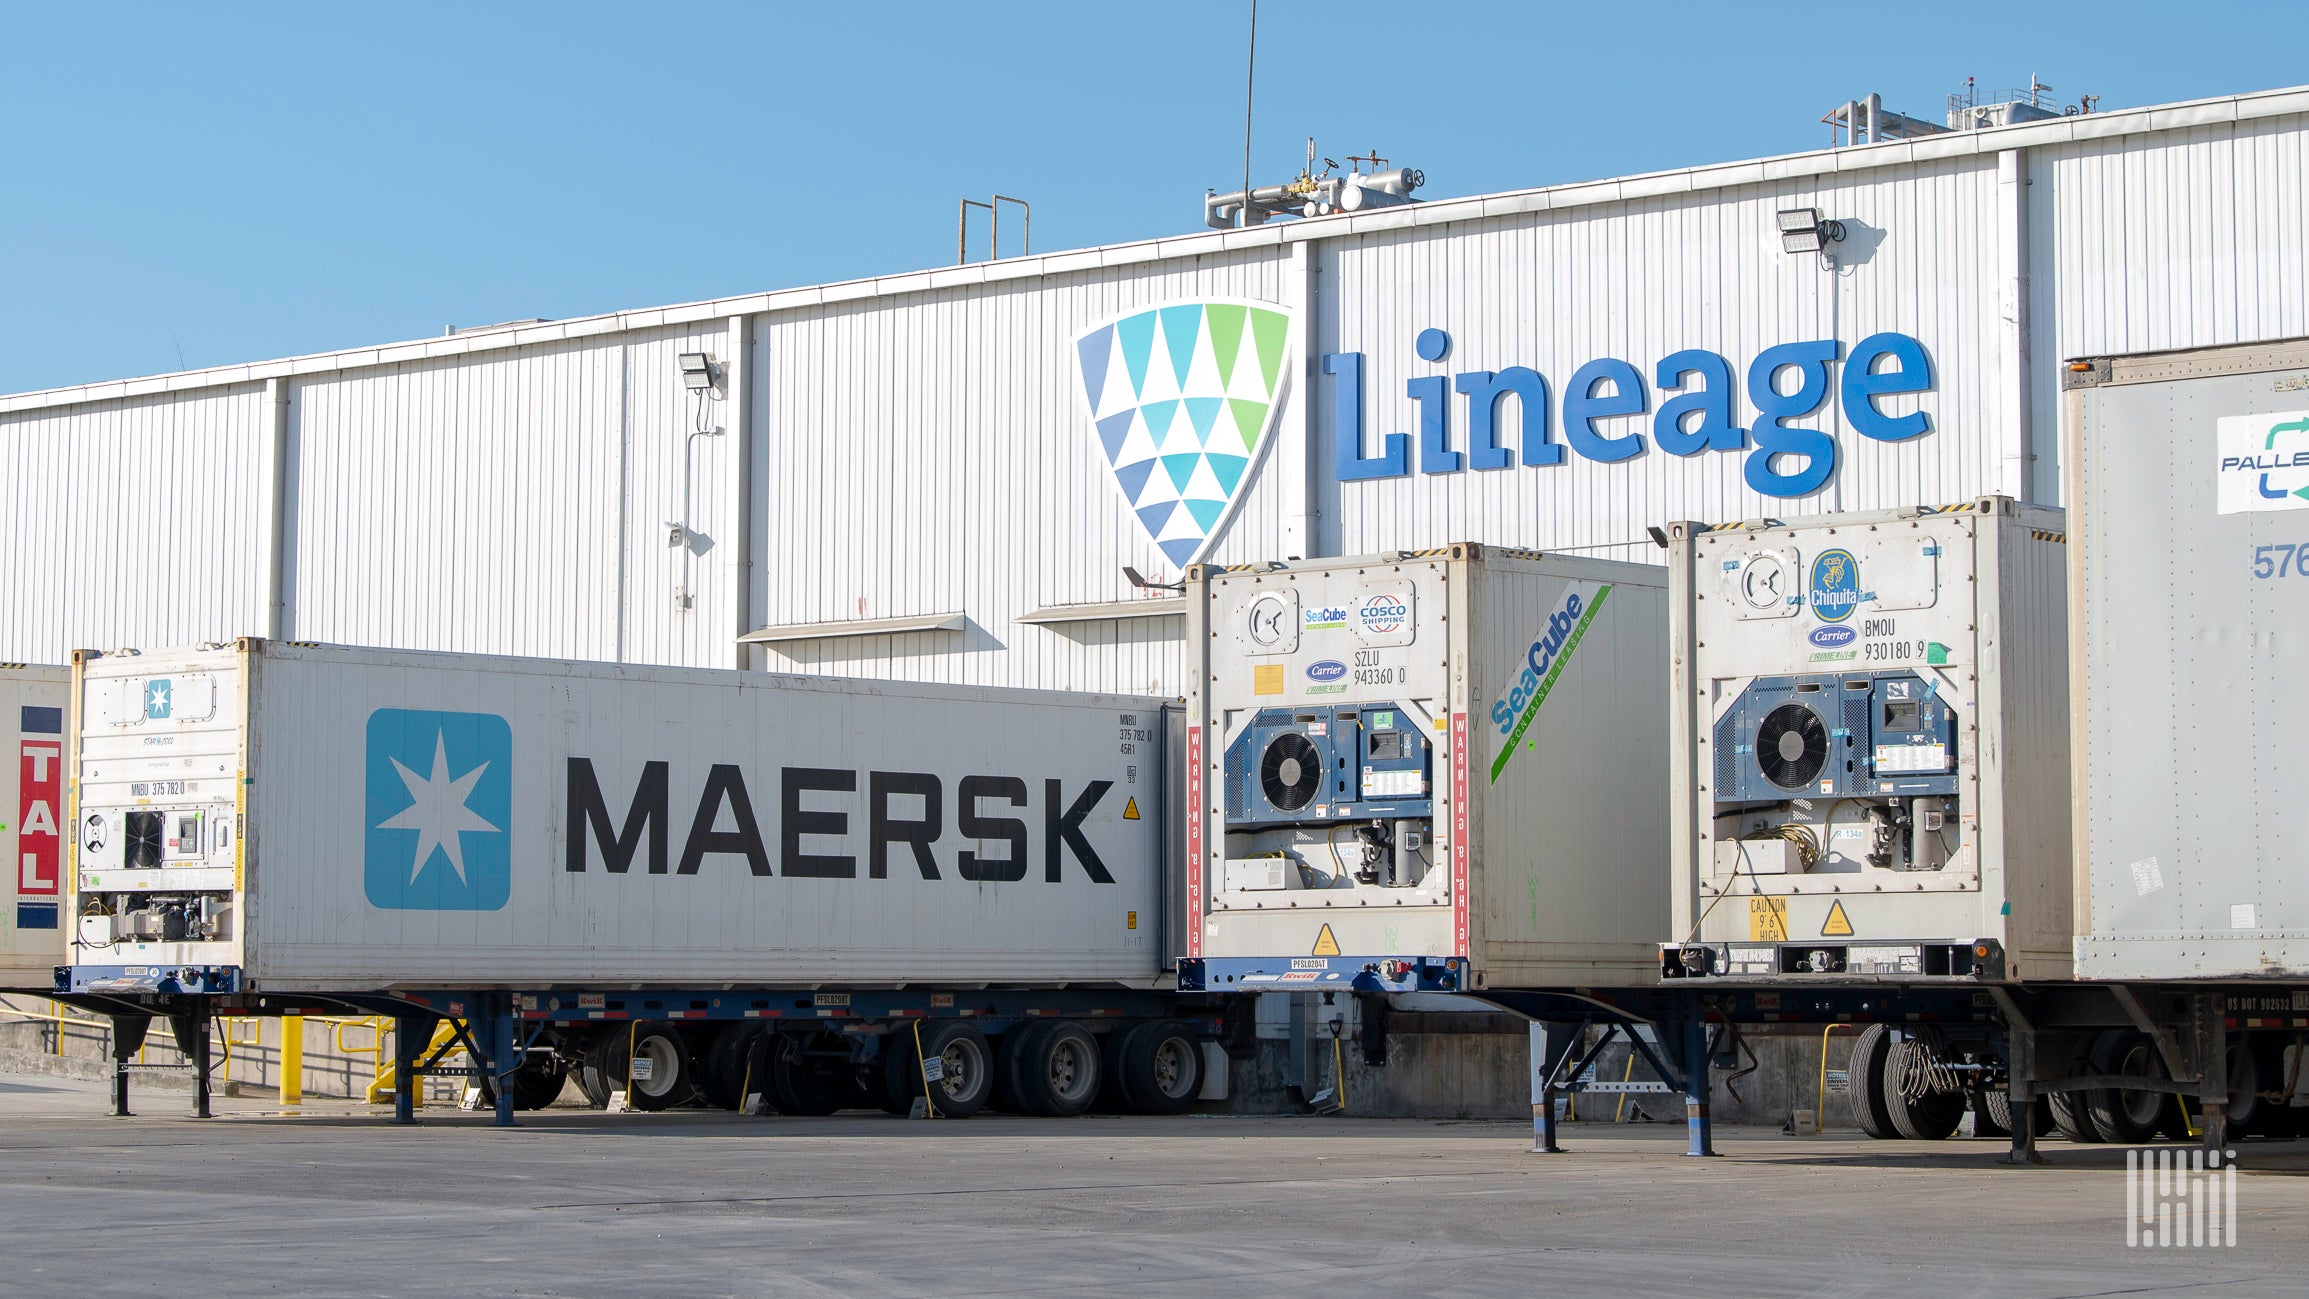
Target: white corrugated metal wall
917, 445
133, 522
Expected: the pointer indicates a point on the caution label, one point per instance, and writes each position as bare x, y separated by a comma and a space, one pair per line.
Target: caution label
1325, 944
1837, 925
1768, 920
1130, 809
1267, 679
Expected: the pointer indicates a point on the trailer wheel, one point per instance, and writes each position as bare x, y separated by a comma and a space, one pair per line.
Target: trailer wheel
1865, 1074
1055, 1070
672, 1074
537, 1082
1162, 1068
1931, 1116
1010, 1065
593, 1072
2072, 1117
1992, 1112
722, 1075
802, 1083
2128, 1118
966, 1066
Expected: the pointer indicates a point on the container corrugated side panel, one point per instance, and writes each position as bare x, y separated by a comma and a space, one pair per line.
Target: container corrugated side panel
2031, 592
134, 522
1638, 281
1569, 877
33, 786
319, 928
929, 455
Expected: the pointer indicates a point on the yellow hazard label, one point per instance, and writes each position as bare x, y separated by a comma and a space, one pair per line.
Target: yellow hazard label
1267, 679
1130, 919
1837, 925
1768, 920
1325, 944
1130, 810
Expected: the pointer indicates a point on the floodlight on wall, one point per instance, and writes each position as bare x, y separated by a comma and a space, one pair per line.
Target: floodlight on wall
697, 370
1802, 230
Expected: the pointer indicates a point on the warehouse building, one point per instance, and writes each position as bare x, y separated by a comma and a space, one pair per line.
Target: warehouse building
986, 473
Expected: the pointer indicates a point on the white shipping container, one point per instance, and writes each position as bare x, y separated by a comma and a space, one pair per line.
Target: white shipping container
2190, 474
1871, 745
305, 818
1442, 771
32, 812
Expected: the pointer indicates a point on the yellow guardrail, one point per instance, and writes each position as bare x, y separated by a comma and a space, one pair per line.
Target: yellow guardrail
1820, 1095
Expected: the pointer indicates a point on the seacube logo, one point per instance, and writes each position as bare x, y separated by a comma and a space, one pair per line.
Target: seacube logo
1835, 585
2264, 463
1183, 398
1326, 670
439, 809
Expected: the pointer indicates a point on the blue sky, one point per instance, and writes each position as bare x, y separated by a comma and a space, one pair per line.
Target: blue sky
185, 186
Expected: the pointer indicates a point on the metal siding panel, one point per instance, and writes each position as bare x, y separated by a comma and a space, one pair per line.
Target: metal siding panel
136, 522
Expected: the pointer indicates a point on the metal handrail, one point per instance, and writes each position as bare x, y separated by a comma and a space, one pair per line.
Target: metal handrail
1820, 1096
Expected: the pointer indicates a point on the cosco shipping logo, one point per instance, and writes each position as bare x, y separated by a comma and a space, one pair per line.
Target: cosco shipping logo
1384, 614
439, 811
1182, 399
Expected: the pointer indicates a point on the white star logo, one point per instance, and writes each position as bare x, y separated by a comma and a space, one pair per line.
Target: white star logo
159, 698
438, 813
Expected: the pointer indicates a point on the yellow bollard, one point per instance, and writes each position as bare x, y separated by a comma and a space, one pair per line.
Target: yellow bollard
292, 1059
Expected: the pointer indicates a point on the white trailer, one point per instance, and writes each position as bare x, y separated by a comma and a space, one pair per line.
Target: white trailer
1433, 772
571, 844
32, 812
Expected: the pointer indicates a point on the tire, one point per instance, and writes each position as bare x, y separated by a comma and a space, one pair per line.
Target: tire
803, 1083
1162, 1068
2127, 1118
1992, 1112
1931, 1117
966, 1062
1009, 1064
593, 1071
2248, 1113
2072, 1118
672, 1077
537, 1082
1864, 1073
1055, 1072
722, 1071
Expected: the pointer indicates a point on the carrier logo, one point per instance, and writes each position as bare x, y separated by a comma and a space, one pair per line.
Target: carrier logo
1326, 618
1326, 670
439, 805
1832, 637
1384, 614
1182, 398
2264, 463
1835, 585
1543, 664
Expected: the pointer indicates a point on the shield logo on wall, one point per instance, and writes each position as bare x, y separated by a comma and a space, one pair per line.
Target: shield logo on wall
1182, 398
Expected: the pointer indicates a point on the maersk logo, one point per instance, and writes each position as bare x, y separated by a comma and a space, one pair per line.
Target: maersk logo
159, 698
1183, 400
439, 811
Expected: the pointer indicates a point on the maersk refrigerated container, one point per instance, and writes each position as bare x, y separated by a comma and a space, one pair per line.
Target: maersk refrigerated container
32, 813
1871, 745
284, 817
1435, 771
2189, 486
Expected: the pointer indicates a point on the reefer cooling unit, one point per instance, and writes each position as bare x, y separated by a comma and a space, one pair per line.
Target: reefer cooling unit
1871, 746
1433, 771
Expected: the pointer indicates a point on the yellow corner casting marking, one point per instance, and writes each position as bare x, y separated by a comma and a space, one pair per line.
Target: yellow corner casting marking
1325, 944
1130, 810
1768, 920
1837, 925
